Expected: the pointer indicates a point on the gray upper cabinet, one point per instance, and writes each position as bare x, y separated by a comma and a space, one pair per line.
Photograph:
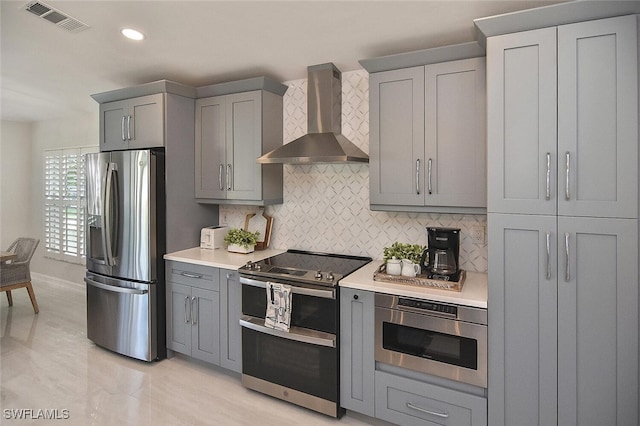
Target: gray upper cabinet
427, 133
135, 123
232, 131
575, 159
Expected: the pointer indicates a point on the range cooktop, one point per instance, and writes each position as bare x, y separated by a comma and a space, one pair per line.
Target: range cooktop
304, 266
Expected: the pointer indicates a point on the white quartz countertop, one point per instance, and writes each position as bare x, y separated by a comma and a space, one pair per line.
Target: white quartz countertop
219, 258
474, 290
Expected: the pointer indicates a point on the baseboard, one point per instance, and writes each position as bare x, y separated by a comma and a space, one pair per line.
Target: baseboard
35, 276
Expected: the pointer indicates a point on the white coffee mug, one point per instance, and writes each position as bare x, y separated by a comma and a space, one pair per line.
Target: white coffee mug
394, 266
410, 269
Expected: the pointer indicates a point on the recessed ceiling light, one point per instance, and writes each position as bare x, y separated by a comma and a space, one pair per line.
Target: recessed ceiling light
132, 34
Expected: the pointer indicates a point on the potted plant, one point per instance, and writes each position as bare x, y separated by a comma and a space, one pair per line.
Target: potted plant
412, 252
241, 241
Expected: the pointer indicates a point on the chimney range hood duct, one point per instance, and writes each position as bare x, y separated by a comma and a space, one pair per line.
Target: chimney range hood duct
324, 143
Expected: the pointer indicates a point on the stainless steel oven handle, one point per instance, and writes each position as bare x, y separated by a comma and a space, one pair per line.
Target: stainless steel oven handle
424, 410
326, 294
113, 288
255, 324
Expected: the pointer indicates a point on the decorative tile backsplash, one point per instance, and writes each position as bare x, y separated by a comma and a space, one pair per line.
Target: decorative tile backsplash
326, 206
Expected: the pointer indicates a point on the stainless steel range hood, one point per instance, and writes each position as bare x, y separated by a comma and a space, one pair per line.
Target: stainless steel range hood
324, 143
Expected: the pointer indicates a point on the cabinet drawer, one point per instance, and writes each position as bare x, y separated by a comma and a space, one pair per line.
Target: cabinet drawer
409, 402
204, 277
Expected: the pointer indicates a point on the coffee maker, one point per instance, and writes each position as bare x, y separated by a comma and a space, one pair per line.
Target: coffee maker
443, 250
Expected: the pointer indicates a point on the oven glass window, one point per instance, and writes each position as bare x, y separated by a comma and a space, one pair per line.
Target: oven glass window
296, 365
455, 350
311, 312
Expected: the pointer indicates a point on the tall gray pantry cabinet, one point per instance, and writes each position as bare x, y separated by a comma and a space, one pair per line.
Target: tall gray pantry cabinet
563, 224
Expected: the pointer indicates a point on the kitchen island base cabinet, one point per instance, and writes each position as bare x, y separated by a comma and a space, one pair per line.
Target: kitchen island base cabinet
203, 313
408, 402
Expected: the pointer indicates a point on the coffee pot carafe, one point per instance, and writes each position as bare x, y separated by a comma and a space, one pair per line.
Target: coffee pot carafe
443, 249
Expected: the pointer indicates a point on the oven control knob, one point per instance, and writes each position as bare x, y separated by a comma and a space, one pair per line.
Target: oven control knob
257, 266
330, 276
319, 275
249, 265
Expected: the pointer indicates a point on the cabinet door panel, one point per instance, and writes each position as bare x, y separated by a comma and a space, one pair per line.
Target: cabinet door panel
523, 320
244, 146
357, 363
147, 121
397, 137
598, 321
455, 133
230, 312
178, 316
205, 325
598, 118
521, 120
112, 126
210, 154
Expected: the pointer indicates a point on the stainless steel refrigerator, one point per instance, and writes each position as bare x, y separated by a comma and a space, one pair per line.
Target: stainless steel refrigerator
125, 231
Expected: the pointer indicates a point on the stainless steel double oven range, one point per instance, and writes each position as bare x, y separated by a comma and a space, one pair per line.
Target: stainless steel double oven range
300, 366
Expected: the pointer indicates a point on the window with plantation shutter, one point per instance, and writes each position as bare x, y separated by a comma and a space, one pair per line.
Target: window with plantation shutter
64, 203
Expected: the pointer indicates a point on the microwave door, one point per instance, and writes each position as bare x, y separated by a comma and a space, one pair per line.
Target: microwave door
134, 229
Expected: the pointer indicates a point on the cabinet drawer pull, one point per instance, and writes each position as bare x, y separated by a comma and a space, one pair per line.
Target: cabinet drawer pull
189, 275
418, 176
423, 410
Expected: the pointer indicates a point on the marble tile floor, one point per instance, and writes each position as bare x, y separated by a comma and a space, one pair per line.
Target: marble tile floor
48, 367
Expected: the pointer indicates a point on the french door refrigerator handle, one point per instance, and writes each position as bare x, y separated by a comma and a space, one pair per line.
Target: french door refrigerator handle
114, 289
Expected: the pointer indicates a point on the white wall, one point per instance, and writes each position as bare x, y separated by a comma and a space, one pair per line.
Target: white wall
21, 187
15, 182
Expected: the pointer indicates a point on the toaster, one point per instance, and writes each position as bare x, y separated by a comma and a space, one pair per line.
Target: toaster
212, 237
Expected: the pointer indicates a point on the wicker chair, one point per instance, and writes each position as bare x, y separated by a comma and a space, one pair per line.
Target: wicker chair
16, 274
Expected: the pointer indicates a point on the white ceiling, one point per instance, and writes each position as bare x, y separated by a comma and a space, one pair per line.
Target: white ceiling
48, 72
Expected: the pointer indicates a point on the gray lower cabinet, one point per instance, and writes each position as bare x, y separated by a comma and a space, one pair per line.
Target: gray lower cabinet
398, 399
230, 313
428, 149
563, 323
203, 313
134, 123
232, 131
357, 362
412, 403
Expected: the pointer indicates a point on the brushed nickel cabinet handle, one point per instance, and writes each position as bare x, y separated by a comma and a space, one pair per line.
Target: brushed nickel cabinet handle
548, 236
124, 137
567, 193
229, 177
548, 194
418, 176
128, 127
187, 317
424, 410
430, 167
194, 311
220, 171
567, 276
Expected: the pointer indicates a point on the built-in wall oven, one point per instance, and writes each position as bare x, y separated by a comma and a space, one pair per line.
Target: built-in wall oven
439, 339
302, 365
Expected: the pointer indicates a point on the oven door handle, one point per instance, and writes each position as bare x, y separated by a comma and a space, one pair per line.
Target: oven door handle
326, 294
313, 337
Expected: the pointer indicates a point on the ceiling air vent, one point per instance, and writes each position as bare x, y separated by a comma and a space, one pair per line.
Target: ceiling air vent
56, 17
